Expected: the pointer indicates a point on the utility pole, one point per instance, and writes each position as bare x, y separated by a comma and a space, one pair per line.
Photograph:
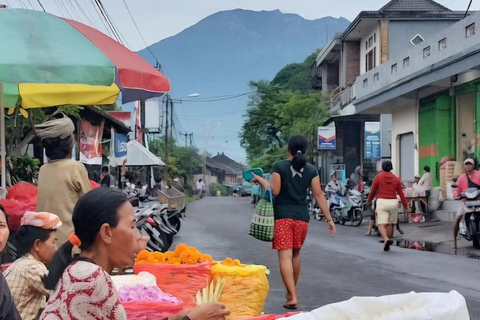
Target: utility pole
166, 128
186, 135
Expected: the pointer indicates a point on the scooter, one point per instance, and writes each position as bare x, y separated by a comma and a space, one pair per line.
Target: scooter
313, 208
346, 205
153, 222
471, 230
175, 216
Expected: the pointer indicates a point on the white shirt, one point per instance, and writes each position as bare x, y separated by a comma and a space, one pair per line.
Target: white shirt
200, 185
334, 186
426, 181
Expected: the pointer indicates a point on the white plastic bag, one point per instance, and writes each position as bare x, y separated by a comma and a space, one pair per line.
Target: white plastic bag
144, 278
409, 306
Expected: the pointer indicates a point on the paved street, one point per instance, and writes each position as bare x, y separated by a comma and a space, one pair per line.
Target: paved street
333, 270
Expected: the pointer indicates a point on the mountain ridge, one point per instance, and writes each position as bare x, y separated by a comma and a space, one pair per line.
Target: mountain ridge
224, 51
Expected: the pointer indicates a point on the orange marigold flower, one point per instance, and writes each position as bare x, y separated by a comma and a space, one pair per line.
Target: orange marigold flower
158, 256
143, 255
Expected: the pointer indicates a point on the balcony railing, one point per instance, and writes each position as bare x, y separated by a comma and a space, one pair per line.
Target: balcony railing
342, 97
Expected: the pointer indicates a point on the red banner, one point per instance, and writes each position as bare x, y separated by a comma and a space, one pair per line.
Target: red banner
91, 143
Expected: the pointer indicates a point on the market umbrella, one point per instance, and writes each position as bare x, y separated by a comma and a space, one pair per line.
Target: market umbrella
49, 61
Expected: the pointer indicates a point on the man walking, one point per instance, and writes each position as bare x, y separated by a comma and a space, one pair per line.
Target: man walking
386, 187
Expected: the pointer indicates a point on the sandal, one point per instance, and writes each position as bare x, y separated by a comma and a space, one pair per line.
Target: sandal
387, 245
290, 306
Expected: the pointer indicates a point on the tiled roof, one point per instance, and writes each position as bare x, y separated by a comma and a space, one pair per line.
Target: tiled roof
413, 5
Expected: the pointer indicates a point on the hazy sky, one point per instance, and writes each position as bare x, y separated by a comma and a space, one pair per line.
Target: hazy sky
159, 19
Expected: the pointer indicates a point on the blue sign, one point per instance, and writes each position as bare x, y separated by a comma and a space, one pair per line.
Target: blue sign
121, 142
372, 140
327, 139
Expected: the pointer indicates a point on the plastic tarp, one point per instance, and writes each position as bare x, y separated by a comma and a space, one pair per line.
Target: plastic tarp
138, 155
409, 306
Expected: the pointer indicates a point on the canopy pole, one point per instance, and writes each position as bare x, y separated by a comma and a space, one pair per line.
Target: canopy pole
3, 191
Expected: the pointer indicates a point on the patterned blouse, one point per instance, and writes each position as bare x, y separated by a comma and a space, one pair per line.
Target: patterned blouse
85, 291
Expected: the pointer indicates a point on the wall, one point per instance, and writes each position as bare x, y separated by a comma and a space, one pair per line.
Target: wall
401, 32
386, 135
375, 46
404, 120
350, 62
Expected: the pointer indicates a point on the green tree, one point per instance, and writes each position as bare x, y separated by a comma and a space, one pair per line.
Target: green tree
296, 76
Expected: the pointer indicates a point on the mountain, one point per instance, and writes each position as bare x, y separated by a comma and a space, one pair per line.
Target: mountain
218, 56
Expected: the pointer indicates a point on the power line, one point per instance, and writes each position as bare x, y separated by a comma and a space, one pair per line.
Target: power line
41, 6
85, 14
33, 8
139, 32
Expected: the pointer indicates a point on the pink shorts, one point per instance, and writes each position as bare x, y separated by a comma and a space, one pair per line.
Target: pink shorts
289, 234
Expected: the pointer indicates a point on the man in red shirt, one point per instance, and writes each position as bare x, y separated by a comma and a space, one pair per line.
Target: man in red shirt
385, 187
470, 179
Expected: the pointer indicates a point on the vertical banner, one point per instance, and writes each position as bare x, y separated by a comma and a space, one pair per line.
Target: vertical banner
138, 123
327, 139
372, 140
91, 143
118, 148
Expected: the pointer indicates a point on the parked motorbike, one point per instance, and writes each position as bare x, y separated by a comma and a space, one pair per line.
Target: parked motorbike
313, 208
175, 216
471, 228
153, 222
346, 205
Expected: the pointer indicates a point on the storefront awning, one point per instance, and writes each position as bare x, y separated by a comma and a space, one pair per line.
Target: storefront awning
138, 155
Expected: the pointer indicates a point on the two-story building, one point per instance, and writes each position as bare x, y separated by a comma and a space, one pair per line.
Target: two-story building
372, 40
432, 91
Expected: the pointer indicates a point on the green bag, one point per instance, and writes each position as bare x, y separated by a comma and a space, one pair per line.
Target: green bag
263, 219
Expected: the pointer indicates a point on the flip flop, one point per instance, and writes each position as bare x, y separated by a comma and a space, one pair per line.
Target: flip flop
290, 306
387, 245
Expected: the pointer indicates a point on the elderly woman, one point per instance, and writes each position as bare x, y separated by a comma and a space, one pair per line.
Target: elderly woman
106, 232
37, 243
7, 305
61, 181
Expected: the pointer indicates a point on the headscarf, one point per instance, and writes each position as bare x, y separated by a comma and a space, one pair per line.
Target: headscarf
58, 128
44, 220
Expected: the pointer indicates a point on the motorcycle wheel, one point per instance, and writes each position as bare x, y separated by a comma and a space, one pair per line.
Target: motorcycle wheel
473, 234
357, 217
176, 223
335, 216
167, 241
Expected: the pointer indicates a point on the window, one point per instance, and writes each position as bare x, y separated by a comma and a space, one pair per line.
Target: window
470, 30
394, 68
370, 60
376, 77
366, 45
365, 83
417, 39
426, 52
406, 62
442, 44
374, 38
370, 42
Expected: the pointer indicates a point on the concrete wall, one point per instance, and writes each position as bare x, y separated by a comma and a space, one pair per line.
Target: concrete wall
404, 120
386, 135
457, 44
401, 32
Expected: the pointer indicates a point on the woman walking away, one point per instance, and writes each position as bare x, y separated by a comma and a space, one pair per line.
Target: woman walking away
7, 304
36, 239
291, 180
106, 232
61, 181
385, 187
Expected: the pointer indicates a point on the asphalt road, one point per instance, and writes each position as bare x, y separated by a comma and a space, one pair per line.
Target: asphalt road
333, 269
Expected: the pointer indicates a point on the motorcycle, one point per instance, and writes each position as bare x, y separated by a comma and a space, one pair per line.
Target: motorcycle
313, 208
175, 216
471, 228
346, 205
153, 222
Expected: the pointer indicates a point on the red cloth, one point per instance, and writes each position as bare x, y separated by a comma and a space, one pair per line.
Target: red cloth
462, 182
289, 234
386, 186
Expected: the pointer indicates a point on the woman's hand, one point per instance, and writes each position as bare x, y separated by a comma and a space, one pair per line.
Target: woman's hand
332, 229
255, 178
209, 311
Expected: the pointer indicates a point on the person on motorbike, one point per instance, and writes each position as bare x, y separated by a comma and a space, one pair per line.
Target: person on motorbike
385, 187
469, 179
335, 185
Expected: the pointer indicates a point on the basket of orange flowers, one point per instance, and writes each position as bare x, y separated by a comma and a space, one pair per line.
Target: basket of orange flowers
182, 272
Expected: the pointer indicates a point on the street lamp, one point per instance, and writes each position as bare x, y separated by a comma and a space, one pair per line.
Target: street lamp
194, 95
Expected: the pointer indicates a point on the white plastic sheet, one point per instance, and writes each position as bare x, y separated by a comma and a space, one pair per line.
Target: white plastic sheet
409, 306
143, 278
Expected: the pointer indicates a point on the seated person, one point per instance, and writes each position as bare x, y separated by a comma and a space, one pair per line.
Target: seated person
36, 242
334, 185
